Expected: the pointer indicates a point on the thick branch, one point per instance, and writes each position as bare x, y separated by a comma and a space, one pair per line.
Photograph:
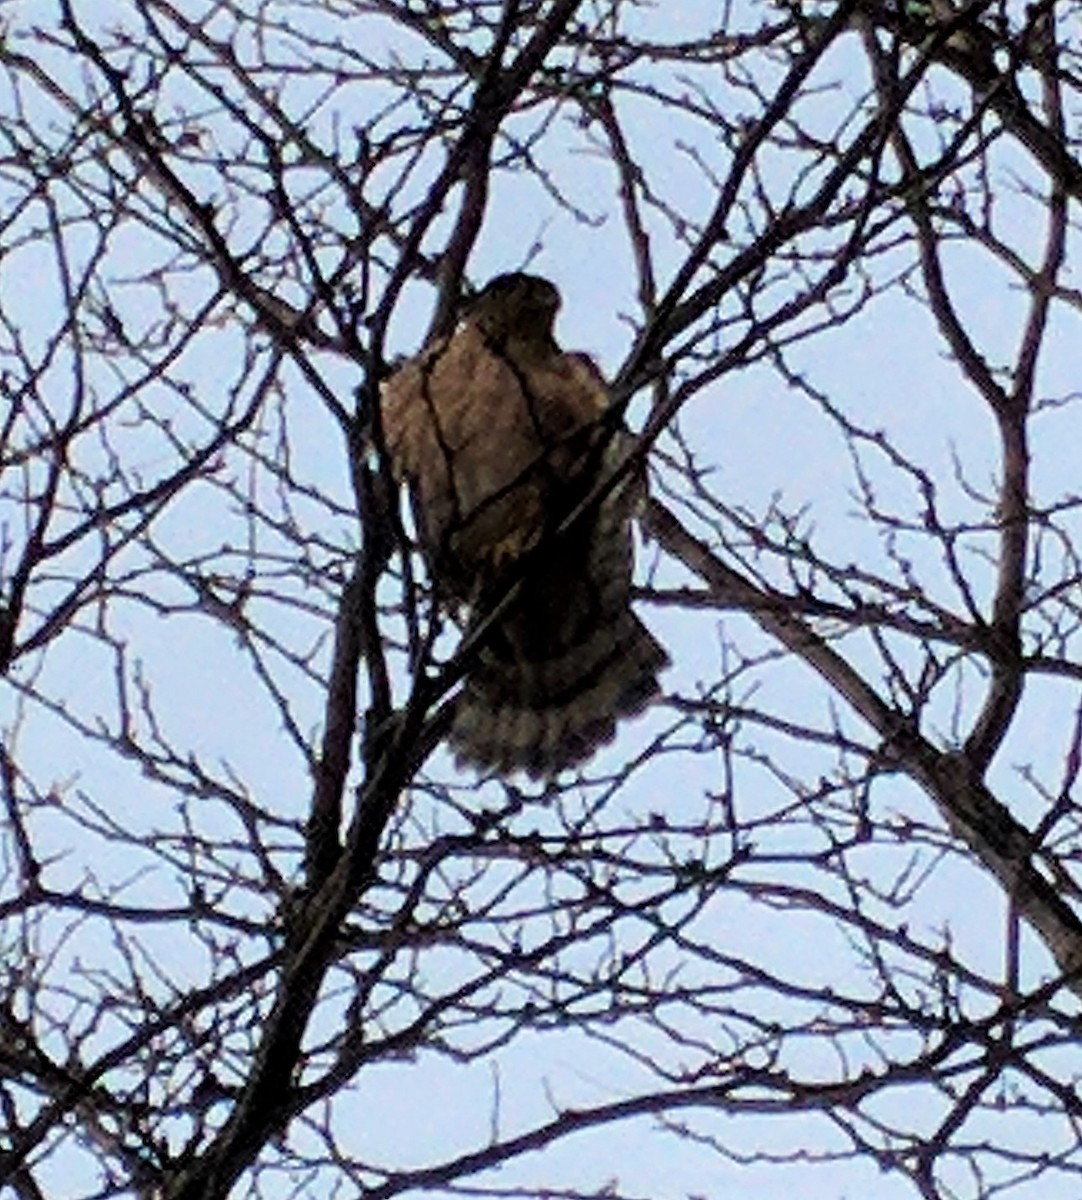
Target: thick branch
996, 839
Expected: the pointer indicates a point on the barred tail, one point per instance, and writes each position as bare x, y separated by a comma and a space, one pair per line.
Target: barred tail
566, 662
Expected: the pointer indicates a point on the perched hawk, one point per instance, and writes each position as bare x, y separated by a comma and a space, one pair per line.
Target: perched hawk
498, 434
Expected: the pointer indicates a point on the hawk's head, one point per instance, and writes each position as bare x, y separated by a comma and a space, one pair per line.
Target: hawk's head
515, 305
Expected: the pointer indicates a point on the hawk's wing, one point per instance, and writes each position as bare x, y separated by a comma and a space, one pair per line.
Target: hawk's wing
486, 444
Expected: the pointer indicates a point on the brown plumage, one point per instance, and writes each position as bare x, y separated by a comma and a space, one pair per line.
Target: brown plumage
498, 434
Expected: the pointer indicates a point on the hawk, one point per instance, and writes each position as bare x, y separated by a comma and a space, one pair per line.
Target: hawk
498, 434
